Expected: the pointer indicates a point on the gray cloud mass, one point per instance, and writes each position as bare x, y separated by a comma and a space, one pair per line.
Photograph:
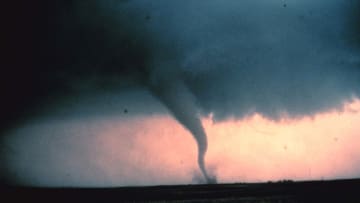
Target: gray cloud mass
241, 57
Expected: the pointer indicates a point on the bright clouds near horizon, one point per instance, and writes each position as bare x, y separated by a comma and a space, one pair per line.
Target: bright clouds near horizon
324, 146
156, 150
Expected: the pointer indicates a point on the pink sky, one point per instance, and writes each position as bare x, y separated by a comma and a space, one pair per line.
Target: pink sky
153, 150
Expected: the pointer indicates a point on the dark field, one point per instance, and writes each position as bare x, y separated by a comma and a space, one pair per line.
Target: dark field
284, 192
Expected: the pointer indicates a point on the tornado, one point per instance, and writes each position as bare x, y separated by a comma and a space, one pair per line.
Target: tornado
174, 94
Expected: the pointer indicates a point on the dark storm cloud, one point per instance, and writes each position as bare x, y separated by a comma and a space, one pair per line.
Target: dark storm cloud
252, 56
281, 62
237, 57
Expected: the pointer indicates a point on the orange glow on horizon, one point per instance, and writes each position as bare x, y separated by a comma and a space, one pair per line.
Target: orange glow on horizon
153, 150
257, 149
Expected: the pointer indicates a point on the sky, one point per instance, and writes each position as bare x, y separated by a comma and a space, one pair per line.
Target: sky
134, 150
144, 92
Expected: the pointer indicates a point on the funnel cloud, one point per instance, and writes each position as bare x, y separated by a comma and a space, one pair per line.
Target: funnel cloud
179, 100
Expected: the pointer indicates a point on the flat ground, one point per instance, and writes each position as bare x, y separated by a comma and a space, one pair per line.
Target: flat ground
284, 192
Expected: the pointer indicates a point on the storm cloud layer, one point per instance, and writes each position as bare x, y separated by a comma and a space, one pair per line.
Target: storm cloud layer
227, 59
278, 60
272, 57
237, 57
